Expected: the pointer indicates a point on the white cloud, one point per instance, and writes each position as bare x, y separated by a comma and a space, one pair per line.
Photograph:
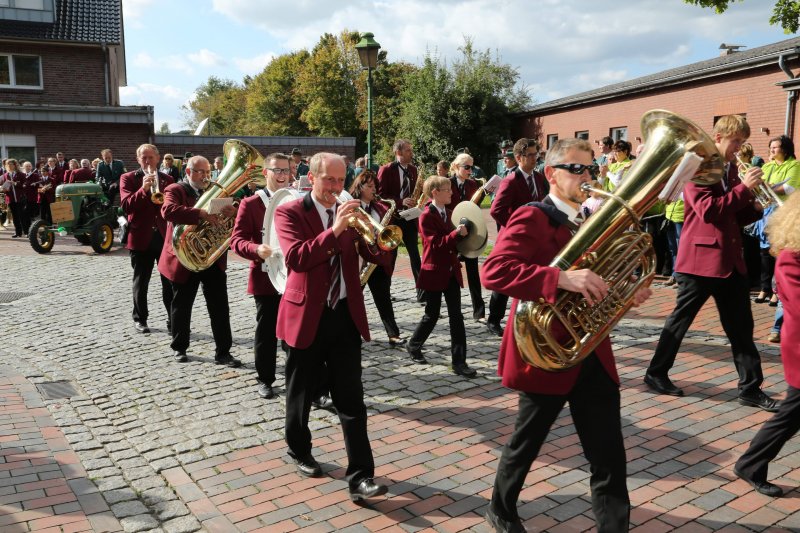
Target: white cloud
206, 58
144, 60
253, 65
135, 12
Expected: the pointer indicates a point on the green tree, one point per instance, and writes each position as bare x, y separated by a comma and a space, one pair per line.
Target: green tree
222, 102
785, 13
164, 129
273, 107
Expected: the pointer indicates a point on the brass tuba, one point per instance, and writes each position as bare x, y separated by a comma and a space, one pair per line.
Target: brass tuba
199, 246
395, 234
559, 336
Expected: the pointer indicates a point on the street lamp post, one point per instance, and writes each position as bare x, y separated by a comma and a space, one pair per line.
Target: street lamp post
368, 55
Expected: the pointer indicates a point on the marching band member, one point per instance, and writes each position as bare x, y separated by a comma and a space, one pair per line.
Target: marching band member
463, 187
146, 231
517, 189
784, 236
397, 181
380, 281
518, 268
31, 188
13, 181
322, 319
60, 167
179, 208
711, 264
47, 183
441, 276
247, 242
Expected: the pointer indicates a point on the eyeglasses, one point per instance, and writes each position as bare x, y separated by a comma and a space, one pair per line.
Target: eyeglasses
279, 170
466, 167
578, 169
199, 171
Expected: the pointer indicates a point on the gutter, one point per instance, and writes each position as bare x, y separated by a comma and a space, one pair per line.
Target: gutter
791, 96
105, 72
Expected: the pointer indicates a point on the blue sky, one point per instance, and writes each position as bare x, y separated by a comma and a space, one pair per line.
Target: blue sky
560, 47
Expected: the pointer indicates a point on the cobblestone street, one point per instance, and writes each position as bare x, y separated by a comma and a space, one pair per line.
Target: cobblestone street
148, 444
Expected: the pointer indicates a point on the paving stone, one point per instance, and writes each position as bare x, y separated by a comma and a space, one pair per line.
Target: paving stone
129, 508
184, 524
170, 509
135, 524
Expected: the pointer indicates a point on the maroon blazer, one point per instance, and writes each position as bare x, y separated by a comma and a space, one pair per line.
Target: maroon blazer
81, 175
179, 208
247, 235
16, 193
50, 195
439, 254
308, 247
60, 171
513, 192
470, 187
519, 269
711, 241
389, 185
31, 186
787, 279
143, 215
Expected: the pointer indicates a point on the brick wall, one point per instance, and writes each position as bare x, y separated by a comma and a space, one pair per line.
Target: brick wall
83, 140
753, 93
72, 75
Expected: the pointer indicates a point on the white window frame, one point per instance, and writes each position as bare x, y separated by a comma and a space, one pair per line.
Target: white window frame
619, 133
17, 141
584, 134
551, 140
13, 75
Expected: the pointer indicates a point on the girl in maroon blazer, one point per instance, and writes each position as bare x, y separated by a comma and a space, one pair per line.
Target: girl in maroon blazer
441, 275
784, 237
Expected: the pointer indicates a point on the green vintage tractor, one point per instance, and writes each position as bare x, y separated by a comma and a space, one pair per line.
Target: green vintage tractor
81, 210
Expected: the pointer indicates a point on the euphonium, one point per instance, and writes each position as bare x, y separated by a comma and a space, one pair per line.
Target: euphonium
396, 236
199, 246
558, 336
156, 196
763, 193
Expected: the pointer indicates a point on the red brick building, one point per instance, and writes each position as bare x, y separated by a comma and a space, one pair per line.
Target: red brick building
760, 83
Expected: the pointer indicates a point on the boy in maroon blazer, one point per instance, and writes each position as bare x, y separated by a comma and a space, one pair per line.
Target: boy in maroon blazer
711, 264
441, 275
247, 242
146, 231
47, 197
322, 319
520, 269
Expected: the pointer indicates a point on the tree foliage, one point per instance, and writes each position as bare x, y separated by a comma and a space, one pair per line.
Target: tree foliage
785, 13
273, 106
222, 102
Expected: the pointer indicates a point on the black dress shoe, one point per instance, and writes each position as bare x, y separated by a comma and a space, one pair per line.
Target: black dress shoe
662, 385
759, 400
397, 341
141, 327
495, 329
764, 487
169, 327
228, 360
307, 466
462, 369
417, 357
502, 525
265, 391
180, 356
323, 402
367, 489
762, 297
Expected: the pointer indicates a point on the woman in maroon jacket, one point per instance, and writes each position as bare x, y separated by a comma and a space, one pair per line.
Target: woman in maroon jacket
784, 237
440, 274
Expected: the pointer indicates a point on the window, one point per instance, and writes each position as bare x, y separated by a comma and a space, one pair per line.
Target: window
20, 71
28, 10
551, 140
38, 5
582, 135
619, 133
19, 147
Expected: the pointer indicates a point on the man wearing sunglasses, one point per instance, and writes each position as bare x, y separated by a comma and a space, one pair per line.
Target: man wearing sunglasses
522, 186
247, 242
518, 266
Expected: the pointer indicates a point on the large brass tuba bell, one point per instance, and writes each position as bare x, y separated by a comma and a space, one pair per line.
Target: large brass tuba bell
199, 246
558, 336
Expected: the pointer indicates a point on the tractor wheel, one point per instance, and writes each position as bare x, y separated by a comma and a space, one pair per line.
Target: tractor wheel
102, 238
84, 238
41, 237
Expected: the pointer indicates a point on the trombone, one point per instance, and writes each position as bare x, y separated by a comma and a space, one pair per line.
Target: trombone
763, 193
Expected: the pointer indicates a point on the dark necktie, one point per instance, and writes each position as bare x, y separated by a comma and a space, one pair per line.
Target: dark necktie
444, 216
406, 189
336, 267
461, 190
532, 186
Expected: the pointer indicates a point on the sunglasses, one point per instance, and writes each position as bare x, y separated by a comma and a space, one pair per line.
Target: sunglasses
466, 167
575, 168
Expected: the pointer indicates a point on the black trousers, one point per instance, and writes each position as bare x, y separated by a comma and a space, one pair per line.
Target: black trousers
380, 284
732, 296
31, 212
594, 403
337, 345
411, 241
142, 262
265, 343
767, 271
433, 304
769, 440
474, 282
44, 211
215, 292
19, 216
497, 308
112, 191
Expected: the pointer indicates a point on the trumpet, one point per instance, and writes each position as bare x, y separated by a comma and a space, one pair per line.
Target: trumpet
763, 193
368, 268
156, 196
387, 238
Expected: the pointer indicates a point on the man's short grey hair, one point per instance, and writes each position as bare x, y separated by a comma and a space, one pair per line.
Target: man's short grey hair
194, 160
318, 159
556, 153
86, 163
398, 145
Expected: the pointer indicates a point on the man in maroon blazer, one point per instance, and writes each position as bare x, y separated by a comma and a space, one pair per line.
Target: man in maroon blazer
248, 242
179, 208
146, 231
322, 319
711, 264
521, 270
60, 167
517, 189
83, 174
397, 181
31, 188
